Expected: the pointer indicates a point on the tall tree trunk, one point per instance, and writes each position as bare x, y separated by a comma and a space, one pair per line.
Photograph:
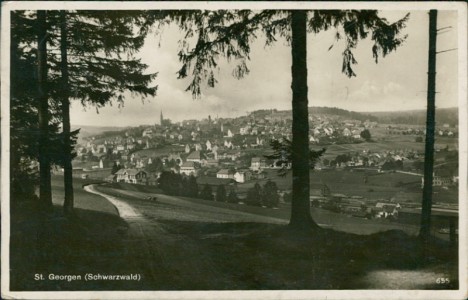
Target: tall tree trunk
67, 148
45, 193
300, 206
425, 229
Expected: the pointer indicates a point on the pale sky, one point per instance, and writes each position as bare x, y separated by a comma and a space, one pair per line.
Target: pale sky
397, 82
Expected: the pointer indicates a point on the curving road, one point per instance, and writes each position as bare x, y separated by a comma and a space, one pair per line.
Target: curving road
169, 258
160, 252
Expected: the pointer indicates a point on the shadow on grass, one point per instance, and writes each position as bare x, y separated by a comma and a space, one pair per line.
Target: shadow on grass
53, 244
268, 256
251, 256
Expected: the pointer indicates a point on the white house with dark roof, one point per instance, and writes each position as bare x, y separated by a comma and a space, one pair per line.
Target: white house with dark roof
225, 174
189, 168
131, 176
257, 163
242, 176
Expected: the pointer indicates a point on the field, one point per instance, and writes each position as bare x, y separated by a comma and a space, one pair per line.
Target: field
386, 143
53, 244
395, 186
173, 254
86, 200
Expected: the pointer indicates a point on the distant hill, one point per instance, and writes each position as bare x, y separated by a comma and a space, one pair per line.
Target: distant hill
409, 117
345, 114
417, 117
352, 115
87, 131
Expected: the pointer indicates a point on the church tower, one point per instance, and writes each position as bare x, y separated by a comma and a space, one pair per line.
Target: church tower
161, 118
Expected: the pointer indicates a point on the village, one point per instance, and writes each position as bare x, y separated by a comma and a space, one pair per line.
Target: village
230, 152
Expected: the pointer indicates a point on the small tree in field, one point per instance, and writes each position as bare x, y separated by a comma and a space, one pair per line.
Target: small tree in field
254, 196
192, 187
221, 193
232, 197
270, 194
207, 192
115, 168
365, 134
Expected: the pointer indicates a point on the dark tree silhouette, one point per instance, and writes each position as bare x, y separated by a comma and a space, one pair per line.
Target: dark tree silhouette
65, 101
232, 196
23, 110
45, 189
366, 135
192, 186
282, 154
115, 168
254, 196
425, 229
94, 78
229, 34
93, 71
270, 194
221, 193
170, 183
78, 57
207, 192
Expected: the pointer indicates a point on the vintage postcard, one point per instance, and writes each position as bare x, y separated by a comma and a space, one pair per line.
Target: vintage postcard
233, 150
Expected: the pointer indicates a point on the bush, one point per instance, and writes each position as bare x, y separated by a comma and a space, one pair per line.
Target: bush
207, 193
365, 134
23, 184
270, 196
221, 194
254, 196
232, 197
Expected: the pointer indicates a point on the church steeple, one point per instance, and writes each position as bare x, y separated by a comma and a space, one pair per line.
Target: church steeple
161, 118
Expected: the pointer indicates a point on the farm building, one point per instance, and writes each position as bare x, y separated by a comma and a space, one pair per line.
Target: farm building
225, 173
189, 168
131, 176
257, 163
242, 176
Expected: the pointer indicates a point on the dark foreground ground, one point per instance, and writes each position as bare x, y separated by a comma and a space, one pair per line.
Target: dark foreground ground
171, 247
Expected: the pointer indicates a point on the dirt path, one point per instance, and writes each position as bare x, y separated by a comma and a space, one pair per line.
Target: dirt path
167, 260
125, 210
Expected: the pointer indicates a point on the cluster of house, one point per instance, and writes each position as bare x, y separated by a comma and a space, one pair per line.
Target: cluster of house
333, 128
116, 145
333, 131
368, 158
320, 195
442, 178
444, 130
244, 132
189, 165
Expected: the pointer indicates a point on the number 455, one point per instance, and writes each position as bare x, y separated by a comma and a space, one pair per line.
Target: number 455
442, 280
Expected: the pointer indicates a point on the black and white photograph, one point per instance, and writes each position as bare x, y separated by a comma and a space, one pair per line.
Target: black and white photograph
234, 150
